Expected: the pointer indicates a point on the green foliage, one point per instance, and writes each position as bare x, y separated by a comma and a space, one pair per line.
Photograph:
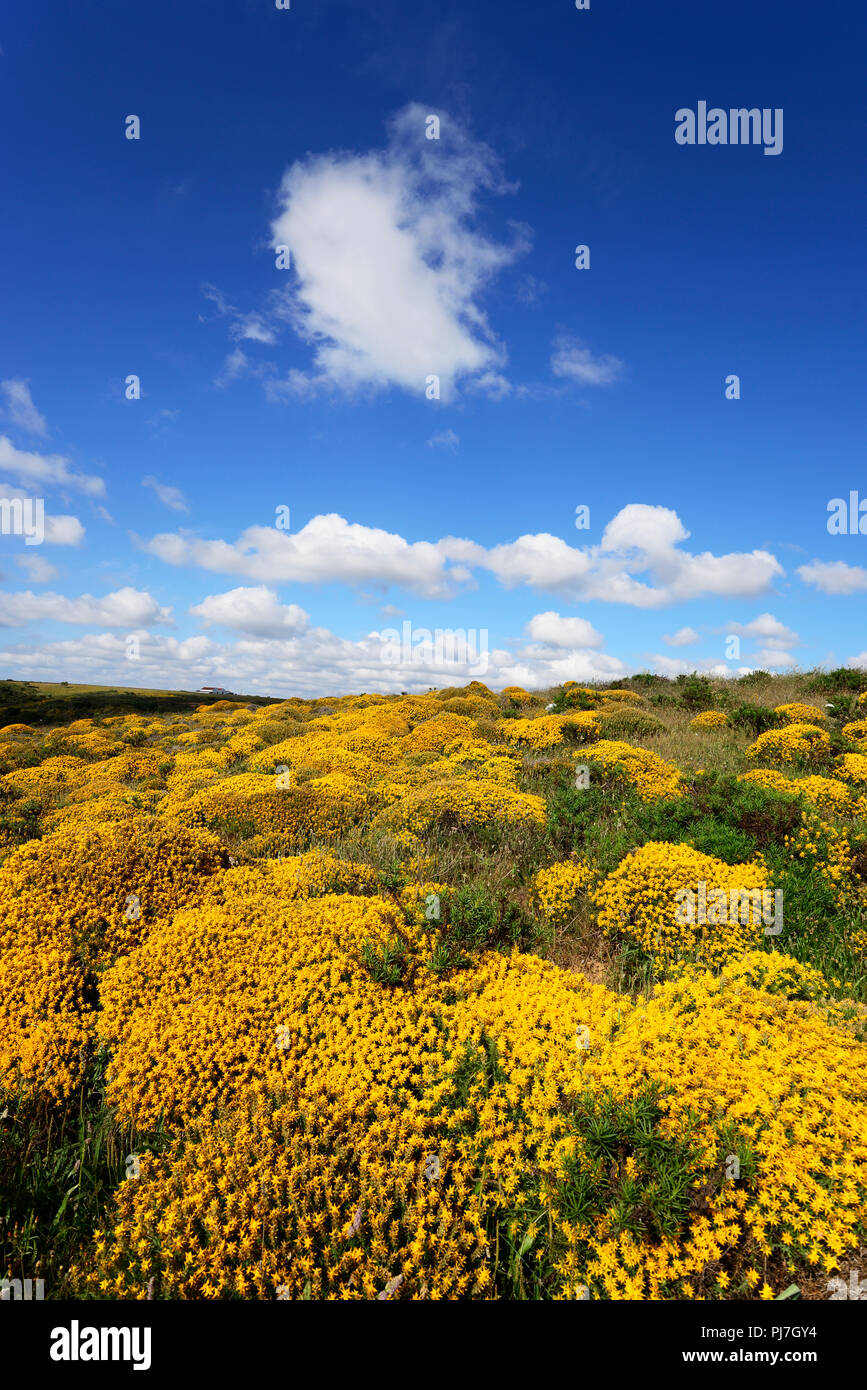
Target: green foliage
443, 959
756, 718
817, 919
473, 916
695, 691
843, 709
394, 876
843, 678
19, 820
668, 1183
621, 721
723, 817
602, 820
559, 704
579, 699
755, 678
386, 963
473, 919
59, 1168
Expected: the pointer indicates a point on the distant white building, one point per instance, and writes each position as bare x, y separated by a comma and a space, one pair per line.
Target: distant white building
214, 690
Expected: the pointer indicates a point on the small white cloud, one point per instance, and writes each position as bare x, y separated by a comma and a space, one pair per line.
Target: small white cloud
684, 637
252, 326
554, 631
570, 359
491, 384
20, 408
834, 577
162, 418
446, 439
59, 530
63, 530
236, 365
767, 629
45, 469
772, 659
39, 570
254, 610
530, 290
170, 496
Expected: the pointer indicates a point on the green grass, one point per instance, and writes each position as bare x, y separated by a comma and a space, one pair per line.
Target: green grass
59, 1169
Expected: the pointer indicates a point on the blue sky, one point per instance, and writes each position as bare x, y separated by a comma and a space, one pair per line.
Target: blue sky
307, 388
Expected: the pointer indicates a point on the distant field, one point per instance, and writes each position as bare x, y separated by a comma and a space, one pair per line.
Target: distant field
56, 702
62, 689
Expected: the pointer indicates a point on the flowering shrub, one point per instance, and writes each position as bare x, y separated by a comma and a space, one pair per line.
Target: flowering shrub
768, 777
794, 742
710, 719
827, 851
852, 767
324, 805
801, 714
550, 729
581, 695
651, 776
648, 898
69, 905
856, 731
469, 803
362, 1181
558, 888
622, 696
828, 793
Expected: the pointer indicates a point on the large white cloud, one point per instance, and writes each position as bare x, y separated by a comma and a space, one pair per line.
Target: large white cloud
126, 607
773, 659
639, 540
388, 264
327, 550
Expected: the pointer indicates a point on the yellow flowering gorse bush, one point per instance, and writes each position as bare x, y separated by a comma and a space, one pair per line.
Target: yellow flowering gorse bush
250, 917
